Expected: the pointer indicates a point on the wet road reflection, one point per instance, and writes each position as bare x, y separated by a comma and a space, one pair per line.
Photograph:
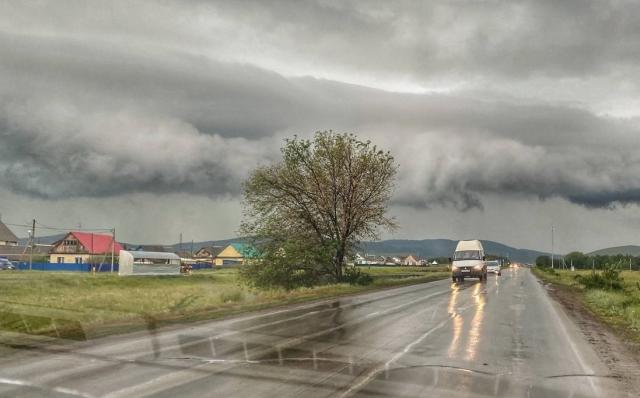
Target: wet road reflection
458, 321
476, 323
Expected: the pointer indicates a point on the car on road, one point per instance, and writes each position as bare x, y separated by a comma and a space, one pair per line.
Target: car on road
5, 264
468, 261
493, 266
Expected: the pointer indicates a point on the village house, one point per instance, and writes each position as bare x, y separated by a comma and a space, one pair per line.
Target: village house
236, 254
149, 248
368, 259
12, 250
7, 238
208, 252
80, 247
410, 260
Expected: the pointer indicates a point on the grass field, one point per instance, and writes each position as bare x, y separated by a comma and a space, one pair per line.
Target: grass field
82, 306
619, 308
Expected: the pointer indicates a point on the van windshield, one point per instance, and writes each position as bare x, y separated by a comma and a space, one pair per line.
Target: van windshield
467, 255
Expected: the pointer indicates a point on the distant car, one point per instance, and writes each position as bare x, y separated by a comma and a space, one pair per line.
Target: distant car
493, 266
5, 264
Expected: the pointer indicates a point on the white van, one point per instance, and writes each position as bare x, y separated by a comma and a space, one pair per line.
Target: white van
468, 261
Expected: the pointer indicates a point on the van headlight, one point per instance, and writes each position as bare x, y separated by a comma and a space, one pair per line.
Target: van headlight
477, 267
454, 268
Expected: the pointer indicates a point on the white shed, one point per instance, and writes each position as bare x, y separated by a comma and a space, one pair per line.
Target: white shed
148, 263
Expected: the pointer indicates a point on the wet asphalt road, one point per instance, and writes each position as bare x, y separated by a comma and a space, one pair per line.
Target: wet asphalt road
503, 338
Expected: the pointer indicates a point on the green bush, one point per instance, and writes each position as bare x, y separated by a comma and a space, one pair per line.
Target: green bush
548, 270
608, 279
354, 276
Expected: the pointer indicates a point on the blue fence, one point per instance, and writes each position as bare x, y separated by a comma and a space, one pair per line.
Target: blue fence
197, 266
67, 267
72, 267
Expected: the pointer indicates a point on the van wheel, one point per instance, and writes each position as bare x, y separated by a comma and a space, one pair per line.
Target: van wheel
453, 278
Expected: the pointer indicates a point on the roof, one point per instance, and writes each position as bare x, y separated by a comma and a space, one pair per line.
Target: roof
246, 250
214, 250
6, 234
95, 243
149, 248
469, 245
154, 255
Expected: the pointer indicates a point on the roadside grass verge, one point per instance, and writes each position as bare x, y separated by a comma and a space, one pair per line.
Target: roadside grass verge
81, 306
618, 308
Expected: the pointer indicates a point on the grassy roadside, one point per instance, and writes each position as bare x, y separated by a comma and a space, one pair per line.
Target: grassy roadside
81, 306
617, 308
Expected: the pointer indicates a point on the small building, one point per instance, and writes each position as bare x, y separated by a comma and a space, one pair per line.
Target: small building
410, 260
236, 254
80, 247
7, 238
138, 262
208, 252
149, 248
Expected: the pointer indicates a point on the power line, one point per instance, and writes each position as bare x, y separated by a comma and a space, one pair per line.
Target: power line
73, 229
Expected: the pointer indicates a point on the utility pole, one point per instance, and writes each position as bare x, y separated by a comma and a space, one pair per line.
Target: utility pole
180, 243
33, 238
113, 244
551, 246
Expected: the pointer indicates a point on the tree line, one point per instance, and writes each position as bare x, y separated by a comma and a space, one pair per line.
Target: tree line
584, 261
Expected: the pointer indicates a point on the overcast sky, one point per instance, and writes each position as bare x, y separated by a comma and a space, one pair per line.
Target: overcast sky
505, 117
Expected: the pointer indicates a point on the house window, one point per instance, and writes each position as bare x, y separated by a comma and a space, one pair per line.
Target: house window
78, 260
60, 260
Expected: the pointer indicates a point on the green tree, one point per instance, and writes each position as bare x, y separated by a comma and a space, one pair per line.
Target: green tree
308, 211
578, 259
543, 261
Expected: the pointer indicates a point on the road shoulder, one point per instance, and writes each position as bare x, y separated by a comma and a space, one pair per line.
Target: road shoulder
614, 346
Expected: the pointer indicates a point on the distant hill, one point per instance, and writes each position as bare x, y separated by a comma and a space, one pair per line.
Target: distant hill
423, 248
444, 248
629, 250
186, 246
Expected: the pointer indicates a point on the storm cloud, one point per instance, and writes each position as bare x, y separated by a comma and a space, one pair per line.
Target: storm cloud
188, 97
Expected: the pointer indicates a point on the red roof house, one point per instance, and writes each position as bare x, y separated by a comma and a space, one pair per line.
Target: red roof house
78, 247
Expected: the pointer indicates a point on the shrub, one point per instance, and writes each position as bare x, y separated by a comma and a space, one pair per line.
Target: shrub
608, 279
548, 270
354, 276
232, 296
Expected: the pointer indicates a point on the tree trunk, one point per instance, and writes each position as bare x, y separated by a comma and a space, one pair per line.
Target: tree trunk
338, 263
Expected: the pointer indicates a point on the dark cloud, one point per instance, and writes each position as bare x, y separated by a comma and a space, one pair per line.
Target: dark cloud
465, 39
88, 110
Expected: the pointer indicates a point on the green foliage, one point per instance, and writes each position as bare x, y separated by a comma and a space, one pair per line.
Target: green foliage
355, 276
608, 279
543, 261
548, 270
307, 212
577, 259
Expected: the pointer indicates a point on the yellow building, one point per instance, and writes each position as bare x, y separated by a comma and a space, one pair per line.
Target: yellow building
236, 254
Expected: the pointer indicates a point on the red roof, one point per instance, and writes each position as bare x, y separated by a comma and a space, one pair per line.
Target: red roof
97, 243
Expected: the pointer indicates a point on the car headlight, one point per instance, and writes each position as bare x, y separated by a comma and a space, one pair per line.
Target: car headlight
454, 268
478, 267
